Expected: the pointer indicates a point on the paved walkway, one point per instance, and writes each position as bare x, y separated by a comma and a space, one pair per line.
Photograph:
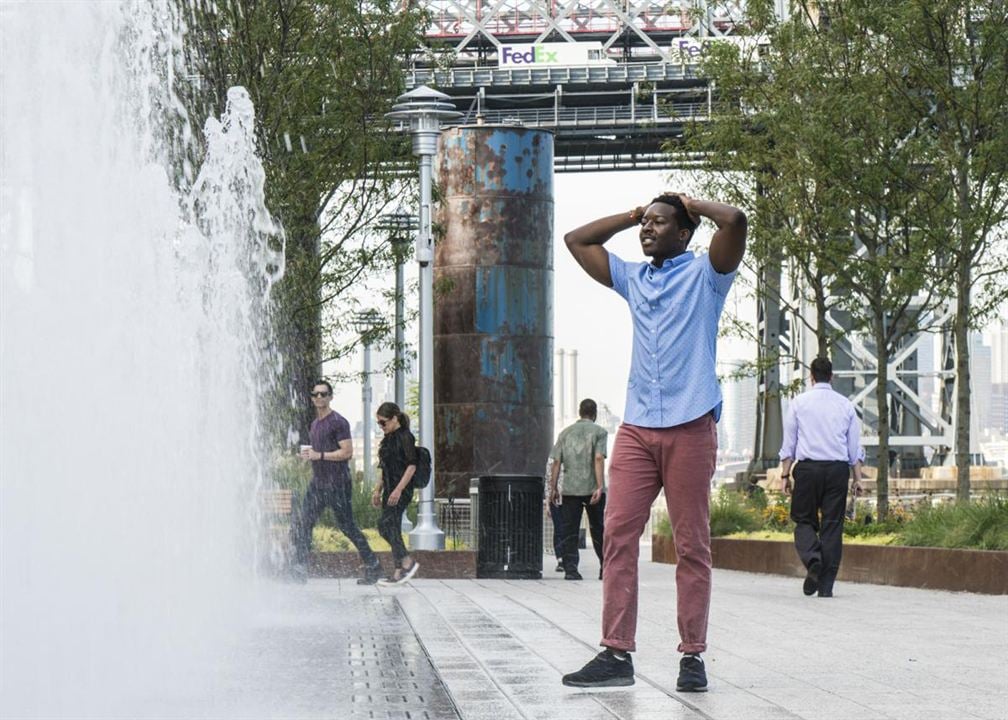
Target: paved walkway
496, 649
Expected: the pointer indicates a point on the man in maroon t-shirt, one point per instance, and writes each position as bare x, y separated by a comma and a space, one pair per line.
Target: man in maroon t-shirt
331, 449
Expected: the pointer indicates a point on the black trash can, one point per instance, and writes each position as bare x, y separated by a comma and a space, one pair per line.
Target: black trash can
510, 541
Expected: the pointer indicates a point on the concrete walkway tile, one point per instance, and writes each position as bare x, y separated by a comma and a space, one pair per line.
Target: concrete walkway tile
874, 653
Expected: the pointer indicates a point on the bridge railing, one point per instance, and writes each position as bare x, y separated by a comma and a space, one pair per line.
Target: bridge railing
517, 77
667, 113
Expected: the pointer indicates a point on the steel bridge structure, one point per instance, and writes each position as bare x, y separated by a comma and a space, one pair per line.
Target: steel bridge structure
613, 114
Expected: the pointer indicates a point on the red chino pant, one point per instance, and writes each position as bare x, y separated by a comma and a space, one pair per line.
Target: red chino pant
681, 460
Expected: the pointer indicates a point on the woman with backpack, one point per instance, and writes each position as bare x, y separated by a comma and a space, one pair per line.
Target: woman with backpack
397, 457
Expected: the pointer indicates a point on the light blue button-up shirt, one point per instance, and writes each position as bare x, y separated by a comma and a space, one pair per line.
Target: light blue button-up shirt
821, 424
675, 310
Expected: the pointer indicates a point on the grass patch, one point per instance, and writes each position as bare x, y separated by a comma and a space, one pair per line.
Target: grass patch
781, 536
328, 539
981, 524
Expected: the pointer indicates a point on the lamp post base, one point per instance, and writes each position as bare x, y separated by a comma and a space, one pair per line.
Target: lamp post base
426, 536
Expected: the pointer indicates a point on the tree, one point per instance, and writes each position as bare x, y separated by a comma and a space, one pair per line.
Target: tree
837, 185
321, 74
953, 74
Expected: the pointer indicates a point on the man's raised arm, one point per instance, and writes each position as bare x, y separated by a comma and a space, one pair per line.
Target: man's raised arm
585, 243
728, 244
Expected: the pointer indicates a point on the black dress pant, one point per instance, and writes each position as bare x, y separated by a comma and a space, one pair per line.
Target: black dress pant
570, 519
315, 501
817, 508
557, 519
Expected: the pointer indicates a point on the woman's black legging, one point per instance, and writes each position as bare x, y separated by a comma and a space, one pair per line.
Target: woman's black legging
390, 524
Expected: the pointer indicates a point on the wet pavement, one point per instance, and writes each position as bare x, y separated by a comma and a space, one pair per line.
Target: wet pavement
496, 649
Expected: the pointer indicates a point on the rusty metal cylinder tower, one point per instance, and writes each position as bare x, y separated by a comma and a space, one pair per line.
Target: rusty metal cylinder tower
493, 319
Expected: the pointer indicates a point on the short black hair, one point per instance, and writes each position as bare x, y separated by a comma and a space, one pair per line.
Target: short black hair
323, 382
682, 217
822, 370
588, 409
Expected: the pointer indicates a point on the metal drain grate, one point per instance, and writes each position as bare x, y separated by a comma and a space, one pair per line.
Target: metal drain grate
392, 677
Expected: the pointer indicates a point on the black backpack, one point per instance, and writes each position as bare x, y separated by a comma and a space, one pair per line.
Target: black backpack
421, 478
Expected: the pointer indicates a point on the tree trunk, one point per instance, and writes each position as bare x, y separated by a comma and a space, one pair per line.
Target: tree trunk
299, 330
964, 281
882, 399
963, 410
822, 331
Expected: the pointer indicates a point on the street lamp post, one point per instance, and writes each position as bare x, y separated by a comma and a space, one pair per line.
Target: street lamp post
424, 109
364, 323
399, 225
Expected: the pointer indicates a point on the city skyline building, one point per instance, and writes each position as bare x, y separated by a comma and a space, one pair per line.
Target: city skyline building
737, 429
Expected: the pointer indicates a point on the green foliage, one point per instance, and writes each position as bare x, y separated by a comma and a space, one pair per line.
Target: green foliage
662, 525
321, 75
731, 511
875, 127
981, 524
329, 539
366, 514
290, 472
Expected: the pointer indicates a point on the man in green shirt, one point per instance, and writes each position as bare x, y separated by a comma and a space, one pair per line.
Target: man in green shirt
581, 450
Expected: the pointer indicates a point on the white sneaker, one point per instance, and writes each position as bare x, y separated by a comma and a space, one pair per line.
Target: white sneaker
406, 575
409, 573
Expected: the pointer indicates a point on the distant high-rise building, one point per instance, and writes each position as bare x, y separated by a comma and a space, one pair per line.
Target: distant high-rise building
997, 338
737, 429
981, 385
997, 421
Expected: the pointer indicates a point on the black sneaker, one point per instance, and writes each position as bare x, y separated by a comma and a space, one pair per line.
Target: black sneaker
692, 676
812, 578
572, 575
371, 575
605, 670
560, 567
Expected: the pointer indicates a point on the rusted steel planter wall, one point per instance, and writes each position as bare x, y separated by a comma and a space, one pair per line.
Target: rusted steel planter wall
978, 571
438, 564
493, 301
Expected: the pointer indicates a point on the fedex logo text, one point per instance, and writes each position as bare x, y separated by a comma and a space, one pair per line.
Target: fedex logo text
532, 56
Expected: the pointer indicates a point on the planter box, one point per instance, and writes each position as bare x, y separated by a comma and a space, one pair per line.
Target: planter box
980, 571
437, 564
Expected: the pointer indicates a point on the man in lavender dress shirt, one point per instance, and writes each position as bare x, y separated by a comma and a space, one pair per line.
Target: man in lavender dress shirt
821, 446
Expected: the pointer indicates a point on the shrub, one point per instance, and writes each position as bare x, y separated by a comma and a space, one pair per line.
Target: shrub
777, 516
731, 512
662, 525
981, 524
291, 473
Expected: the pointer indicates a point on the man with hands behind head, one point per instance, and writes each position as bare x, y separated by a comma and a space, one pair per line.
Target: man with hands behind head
668, 439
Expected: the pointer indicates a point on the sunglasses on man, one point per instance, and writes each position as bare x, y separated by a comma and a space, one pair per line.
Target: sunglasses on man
319, 394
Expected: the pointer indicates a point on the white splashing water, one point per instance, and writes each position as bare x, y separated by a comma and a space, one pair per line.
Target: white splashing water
133, 322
